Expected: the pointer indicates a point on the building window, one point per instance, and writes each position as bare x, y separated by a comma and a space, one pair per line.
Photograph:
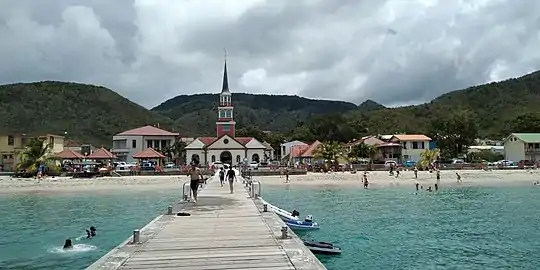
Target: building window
148, 143
237, 158
228, 113
133, 143
255, 158
422, 145
404, 145
213, 158
225, 128
163, 144
221, 114
226, 141
51, 140
414, 145
11, 140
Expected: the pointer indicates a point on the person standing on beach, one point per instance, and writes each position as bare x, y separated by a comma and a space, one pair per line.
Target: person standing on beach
195, 175
417, 185
416, 173
231, 176
366, 182
221, 176
287, 175
458, 178
438, 176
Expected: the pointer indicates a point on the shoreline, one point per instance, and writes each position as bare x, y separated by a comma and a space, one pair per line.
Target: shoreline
377, 179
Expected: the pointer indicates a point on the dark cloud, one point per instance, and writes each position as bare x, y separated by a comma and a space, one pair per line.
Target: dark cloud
392, 51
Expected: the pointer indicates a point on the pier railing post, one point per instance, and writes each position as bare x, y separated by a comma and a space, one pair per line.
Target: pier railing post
169, 210
265, 207
136, 236
284, 232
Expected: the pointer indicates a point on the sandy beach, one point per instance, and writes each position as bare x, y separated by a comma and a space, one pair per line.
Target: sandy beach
376, 179
493, 178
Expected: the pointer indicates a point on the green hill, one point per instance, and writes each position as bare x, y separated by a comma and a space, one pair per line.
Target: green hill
196, 114
88, 113
495, 106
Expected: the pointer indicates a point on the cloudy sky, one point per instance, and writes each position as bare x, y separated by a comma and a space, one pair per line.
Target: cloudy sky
391, 51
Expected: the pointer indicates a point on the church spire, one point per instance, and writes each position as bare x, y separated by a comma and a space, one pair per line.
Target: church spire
225, 86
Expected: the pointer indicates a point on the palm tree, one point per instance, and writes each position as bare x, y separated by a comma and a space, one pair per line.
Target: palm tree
36, 153
329, 152
363, 150
428, 156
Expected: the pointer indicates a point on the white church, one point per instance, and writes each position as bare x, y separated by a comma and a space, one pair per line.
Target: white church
226, 147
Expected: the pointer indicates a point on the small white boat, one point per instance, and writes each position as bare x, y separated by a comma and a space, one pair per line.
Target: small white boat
302, 225
284, 215
322, 248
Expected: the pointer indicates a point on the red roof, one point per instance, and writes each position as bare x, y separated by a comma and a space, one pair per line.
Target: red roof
210, 140
207, 140
243, 140
69, 154
147, 131
310, 149
101, 153
149, 153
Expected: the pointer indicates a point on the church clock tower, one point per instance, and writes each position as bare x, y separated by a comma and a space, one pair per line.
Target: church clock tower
225, 123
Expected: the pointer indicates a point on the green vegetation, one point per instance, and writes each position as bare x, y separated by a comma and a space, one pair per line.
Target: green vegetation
94, 114
37, 153
88, 113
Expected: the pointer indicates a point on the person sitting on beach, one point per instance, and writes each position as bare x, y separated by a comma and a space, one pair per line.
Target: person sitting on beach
68, 244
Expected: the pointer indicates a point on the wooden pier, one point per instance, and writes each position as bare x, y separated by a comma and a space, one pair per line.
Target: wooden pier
223, 231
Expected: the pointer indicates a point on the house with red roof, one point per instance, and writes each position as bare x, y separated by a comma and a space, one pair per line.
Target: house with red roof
226, 147
305, 154
128, 143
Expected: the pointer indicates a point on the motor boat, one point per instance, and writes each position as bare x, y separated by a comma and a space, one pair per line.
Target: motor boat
283, 214
322, 248
302, 225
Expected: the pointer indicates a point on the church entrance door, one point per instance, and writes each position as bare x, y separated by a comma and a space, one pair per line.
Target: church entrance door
226, 157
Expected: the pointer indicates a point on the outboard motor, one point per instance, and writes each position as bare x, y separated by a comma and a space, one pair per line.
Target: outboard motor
295, 213
309, 218
68, 244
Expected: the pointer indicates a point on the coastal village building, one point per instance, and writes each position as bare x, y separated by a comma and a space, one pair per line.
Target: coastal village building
128, 143
304, 154
226, 147
286, 148
522, 146
12, 144
412, 145
386, 150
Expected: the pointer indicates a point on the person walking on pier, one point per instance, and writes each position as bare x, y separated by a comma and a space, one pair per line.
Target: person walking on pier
221, 176
231, 176
196, 176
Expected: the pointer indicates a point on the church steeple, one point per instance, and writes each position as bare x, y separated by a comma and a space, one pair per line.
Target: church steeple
225, 85
225, 123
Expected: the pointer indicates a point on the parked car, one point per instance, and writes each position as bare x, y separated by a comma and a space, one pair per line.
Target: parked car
527, 162
217, 164
409, 163
170, 165
122, 169
505, 163
390, 163
254, 165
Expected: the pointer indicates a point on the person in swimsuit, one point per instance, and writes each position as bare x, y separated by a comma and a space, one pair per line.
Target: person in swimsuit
221, 176
366, 182
195, 176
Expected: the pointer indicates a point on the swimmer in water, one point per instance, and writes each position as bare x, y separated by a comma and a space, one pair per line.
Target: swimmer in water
92, 231
68, 244
88, 234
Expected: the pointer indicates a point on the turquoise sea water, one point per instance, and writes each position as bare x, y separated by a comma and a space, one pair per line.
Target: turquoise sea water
33, 227
464, 228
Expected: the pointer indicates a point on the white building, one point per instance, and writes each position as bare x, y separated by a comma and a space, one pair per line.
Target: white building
286, 147
522, 146
497, 149
226, 147
413, 145
128, 143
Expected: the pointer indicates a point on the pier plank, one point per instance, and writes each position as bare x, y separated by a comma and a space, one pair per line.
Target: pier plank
224, 232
